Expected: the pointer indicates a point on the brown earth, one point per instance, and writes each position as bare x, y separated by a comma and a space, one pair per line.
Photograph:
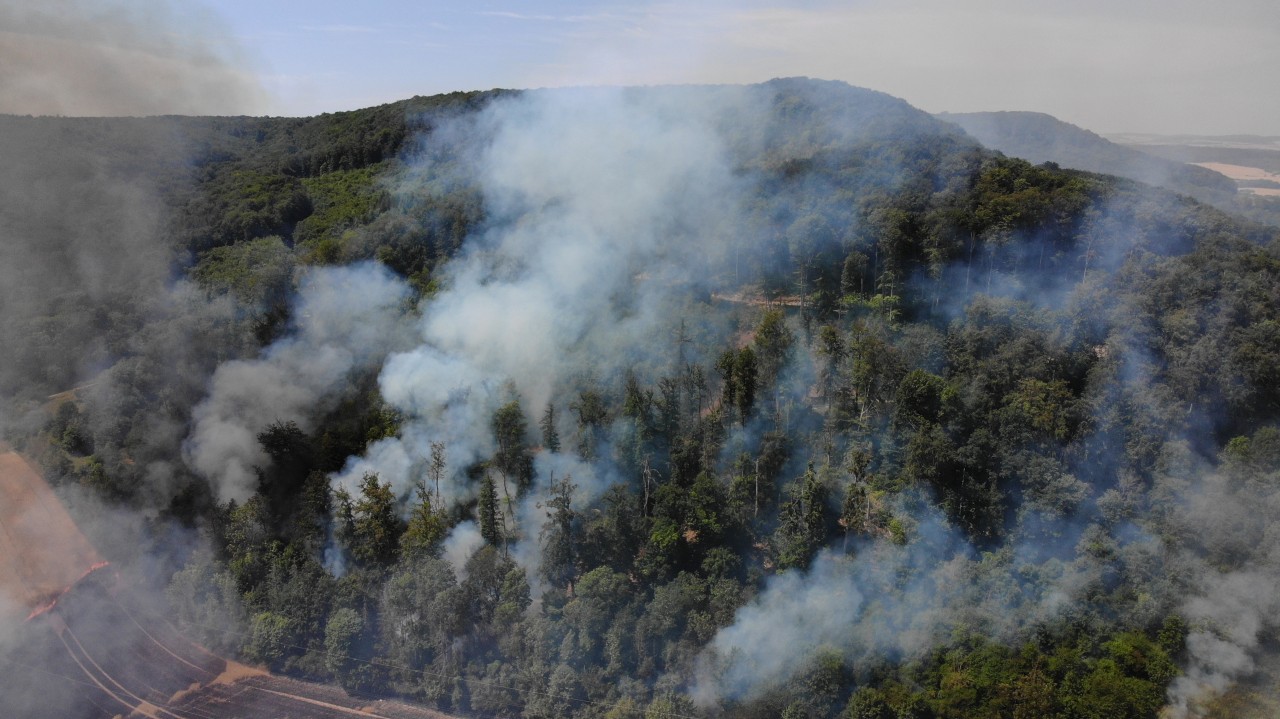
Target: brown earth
89, 649
1243, 173
110, 659
42, 552
1239, 172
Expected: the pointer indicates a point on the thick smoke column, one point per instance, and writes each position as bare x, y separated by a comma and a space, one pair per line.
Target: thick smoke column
601, 204
347, 319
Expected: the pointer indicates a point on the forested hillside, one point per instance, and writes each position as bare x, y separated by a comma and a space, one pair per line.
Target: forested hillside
777, 400
1039, 138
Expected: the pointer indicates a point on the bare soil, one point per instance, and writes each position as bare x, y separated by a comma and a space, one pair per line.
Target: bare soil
42, 552
103, 657
1240, 172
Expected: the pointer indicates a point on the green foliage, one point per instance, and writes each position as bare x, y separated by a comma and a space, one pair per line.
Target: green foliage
773, 343
205, 600
804, 522
512, 458
342, 639
550, 434
490, 516
918, 401
341, 201
559, 553
426, 528
981, 325
369, 525
591, 411
267, 634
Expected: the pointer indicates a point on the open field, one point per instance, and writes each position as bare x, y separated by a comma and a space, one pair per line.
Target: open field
42, 552
103, 658
83, 646
1242, 173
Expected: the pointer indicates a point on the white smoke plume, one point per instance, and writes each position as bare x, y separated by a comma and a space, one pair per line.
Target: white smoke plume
886, 602
1233, 597
463, 542
347, 319
590, 236
1230, 618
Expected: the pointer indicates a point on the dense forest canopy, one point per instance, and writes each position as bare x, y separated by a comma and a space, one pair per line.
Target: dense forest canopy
1040, 138
776, 400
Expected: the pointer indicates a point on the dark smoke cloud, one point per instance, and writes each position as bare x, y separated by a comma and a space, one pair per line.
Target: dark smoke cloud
143, 57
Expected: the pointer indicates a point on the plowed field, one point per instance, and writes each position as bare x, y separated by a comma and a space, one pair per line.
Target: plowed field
42, 552
76, 643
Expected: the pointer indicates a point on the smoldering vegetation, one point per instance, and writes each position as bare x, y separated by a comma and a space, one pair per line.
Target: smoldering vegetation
783, 399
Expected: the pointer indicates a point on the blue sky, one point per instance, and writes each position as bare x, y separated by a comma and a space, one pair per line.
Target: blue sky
1164, 66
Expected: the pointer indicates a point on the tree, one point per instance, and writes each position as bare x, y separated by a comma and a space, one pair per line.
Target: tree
558, 553
854, 511
427, 526
343, 644
637, 433
292, 459
853, 274
727, 368
802, 526
746, 371
591, 416
512, 458
919, 399
437, 468
492, 522
550, 435
373, 524
773, 346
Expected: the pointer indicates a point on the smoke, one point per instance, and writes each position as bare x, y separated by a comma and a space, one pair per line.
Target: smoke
148, 57
84, 255
87, 293
463, 541
592, 239
346, 319
1233, 595
1231, 615
886, 602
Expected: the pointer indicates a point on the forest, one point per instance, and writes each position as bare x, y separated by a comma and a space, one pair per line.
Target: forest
774, 400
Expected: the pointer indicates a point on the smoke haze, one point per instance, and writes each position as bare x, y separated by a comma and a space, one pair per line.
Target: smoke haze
591, 239
113, 58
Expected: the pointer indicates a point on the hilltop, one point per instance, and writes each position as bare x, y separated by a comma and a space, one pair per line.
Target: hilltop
1038, 137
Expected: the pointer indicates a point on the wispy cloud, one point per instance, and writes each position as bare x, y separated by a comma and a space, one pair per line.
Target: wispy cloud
342, 29
588, 18
519, 16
